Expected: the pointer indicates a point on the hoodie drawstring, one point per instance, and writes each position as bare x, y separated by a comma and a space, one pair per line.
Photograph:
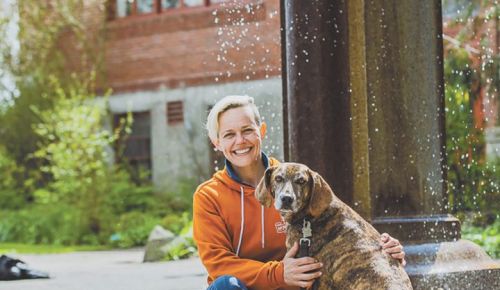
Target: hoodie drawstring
242, 203
242, 221
262, 224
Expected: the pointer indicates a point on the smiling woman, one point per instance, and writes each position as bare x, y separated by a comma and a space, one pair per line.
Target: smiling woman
242, 250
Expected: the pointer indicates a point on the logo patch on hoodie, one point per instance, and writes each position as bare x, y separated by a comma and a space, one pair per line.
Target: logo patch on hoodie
280, 227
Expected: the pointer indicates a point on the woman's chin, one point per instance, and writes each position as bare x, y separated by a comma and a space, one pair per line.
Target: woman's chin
242, 161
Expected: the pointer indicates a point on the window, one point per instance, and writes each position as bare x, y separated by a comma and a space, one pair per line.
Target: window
169, 4
134, 149
135, 7
192, 3
145, 6
125, 8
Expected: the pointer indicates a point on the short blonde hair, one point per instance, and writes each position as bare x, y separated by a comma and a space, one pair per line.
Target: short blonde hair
226, 103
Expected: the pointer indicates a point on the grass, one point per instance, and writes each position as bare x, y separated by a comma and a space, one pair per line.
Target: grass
9, 248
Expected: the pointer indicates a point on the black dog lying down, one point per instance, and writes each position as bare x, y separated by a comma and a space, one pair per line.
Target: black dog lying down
345, 243
14, 269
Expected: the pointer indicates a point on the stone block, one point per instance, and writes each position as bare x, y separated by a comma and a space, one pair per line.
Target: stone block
158, 238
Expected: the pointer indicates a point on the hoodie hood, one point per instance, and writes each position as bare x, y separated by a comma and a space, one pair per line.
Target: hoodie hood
229, 178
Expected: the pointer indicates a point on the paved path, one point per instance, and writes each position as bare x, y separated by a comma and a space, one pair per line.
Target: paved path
109, 270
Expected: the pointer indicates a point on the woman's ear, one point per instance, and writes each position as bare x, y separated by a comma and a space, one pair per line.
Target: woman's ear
263, 130
263, 191
321, 194
215, 143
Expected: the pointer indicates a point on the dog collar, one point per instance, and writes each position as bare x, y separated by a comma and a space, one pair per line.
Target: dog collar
305, 241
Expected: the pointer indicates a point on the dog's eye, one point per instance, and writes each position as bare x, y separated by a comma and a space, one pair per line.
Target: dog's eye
278, 178
300, 181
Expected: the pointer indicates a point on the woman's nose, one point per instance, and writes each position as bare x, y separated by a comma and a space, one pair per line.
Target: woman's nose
239, 138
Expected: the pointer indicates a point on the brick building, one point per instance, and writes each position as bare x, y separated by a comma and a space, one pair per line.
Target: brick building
168, 61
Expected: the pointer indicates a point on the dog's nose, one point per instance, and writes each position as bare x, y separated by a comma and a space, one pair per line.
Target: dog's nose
286, 200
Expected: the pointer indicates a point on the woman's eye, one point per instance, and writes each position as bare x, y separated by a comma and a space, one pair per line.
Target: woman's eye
229, 135
278, 178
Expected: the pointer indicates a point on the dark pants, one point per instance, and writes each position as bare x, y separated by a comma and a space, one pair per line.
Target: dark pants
227, 282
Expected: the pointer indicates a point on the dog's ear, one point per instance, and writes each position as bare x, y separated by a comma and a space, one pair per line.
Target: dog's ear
263, 192
321, 195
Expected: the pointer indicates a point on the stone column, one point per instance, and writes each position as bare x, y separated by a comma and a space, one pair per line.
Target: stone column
316, 79
404, 96
364, 99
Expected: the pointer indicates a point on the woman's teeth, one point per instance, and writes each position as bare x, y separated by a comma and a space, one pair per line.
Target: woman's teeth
242, 151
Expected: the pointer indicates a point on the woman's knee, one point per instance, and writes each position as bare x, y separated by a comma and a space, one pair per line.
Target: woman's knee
227, 282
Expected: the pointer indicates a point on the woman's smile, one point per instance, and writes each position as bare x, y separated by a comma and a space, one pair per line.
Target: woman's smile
242, 151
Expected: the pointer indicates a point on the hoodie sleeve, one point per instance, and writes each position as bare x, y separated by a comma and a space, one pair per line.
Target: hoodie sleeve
218, 255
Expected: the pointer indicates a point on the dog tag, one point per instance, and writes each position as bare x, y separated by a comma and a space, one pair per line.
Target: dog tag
306, 229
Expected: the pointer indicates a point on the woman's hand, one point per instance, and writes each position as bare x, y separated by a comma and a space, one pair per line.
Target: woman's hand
392, 247
301, 271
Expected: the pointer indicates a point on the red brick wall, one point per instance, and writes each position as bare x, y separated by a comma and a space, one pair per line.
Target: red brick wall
194, 46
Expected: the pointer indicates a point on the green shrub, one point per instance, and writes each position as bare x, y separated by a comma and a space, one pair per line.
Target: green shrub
58, 184
43, 224
182, 250
473, 183
133, 229
176, 222
11, 196
125, 196
183, 247
180, 199
487, 237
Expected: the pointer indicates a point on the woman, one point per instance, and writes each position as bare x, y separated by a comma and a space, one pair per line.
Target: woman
240, 242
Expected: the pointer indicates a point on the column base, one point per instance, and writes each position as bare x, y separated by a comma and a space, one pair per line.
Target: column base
436, 256
451, 265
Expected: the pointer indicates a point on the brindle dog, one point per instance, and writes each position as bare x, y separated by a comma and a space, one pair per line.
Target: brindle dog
343, 241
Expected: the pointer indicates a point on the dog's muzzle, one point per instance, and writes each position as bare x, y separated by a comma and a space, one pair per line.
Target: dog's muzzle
285, 202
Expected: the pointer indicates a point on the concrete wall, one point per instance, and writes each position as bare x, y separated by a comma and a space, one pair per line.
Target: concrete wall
181, 151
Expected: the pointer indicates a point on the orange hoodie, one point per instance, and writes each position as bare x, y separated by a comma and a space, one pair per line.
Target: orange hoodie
253, 254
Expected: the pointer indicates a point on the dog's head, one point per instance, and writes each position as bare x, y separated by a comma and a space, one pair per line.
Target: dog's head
294, 188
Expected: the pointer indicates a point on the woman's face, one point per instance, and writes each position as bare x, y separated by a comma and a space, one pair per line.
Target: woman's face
239, 136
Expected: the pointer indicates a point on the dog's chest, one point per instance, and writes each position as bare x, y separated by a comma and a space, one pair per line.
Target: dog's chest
316, 236
334, 230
